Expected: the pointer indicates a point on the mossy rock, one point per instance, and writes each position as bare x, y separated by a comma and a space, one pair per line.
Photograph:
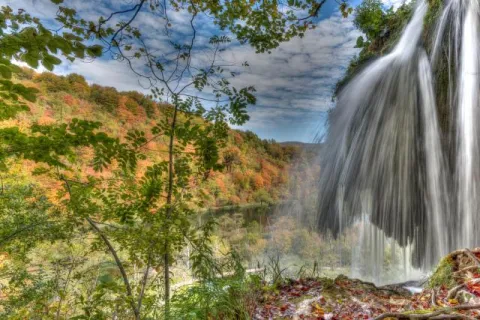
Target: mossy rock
443, 275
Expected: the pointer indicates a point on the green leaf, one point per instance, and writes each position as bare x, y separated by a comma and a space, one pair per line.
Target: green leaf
6, 71
360, 42
95, 50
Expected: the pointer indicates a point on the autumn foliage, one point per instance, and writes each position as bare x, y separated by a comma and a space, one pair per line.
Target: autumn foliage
252, 169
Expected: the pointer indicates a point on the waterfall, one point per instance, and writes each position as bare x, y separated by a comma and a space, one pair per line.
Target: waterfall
468, 149
402, 156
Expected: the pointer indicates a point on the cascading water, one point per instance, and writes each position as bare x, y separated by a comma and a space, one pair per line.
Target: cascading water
468, 150
402, 158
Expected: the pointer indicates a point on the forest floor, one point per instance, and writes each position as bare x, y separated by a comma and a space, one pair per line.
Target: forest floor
452, 292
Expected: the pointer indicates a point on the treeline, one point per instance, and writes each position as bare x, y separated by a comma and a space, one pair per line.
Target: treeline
108, 98
285, 152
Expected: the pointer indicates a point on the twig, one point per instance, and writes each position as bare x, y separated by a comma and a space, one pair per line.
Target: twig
315, 12
113, 252
119, 265
144, 283
138, 7
456, 273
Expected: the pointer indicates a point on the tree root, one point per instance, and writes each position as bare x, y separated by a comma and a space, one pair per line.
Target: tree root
463, 251
473, 257
382, 288
457, 296
434, 298
456, 273
453, 292
439, 314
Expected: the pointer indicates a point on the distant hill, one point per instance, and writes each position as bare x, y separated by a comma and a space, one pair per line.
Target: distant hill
254, 169
300, 144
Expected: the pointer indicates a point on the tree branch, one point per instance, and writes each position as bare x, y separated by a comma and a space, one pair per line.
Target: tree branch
144, 283
119, 265
138, 8
315, 12
113, 252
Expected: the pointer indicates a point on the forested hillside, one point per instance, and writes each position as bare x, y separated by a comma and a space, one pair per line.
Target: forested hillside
103, 194
45, 236
251, 170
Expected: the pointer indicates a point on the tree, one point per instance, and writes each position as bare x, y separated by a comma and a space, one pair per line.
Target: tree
107, 97
263, 197
369, 18
52, 82
78, 85
231, 156
141, 217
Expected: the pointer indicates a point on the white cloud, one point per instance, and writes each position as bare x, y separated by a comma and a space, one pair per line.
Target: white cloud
394, 3
294, 83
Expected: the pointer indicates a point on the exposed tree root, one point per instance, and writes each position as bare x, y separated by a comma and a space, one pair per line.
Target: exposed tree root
344, 298
460, 272
444, 313
453, 292
473, 257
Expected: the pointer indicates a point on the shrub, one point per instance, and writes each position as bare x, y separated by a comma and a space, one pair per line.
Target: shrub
144, 101
78, 85
258, 182
25, 74
106, 97
69, 99
52, 82
221, 298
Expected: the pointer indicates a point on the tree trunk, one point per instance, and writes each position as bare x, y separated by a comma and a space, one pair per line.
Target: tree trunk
169, 209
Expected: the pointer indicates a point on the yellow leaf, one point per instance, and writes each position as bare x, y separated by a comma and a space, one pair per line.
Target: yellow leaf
317, 309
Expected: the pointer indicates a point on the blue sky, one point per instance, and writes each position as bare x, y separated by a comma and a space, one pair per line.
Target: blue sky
294, 83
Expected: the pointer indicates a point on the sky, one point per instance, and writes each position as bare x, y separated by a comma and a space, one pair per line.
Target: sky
294, 84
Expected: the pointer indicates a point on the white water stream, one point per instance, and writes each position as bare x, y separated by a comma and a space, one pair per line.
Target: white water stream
402, 158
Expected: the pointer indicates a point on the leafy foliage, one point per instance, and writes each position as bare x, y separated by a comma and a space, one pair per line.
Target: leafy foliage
262, 24
369, 18
114, 214
25, 39
382, 28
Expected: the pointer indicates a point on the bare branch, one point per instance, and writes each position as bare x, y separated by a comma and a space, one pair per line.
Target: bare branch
138, 7
315, 12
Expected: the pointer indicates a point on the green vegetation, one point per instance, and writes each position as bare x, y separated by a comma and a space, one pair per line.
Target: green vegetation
100, 188
122, 198
382, 29
443, 275
435, 8
252, 169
